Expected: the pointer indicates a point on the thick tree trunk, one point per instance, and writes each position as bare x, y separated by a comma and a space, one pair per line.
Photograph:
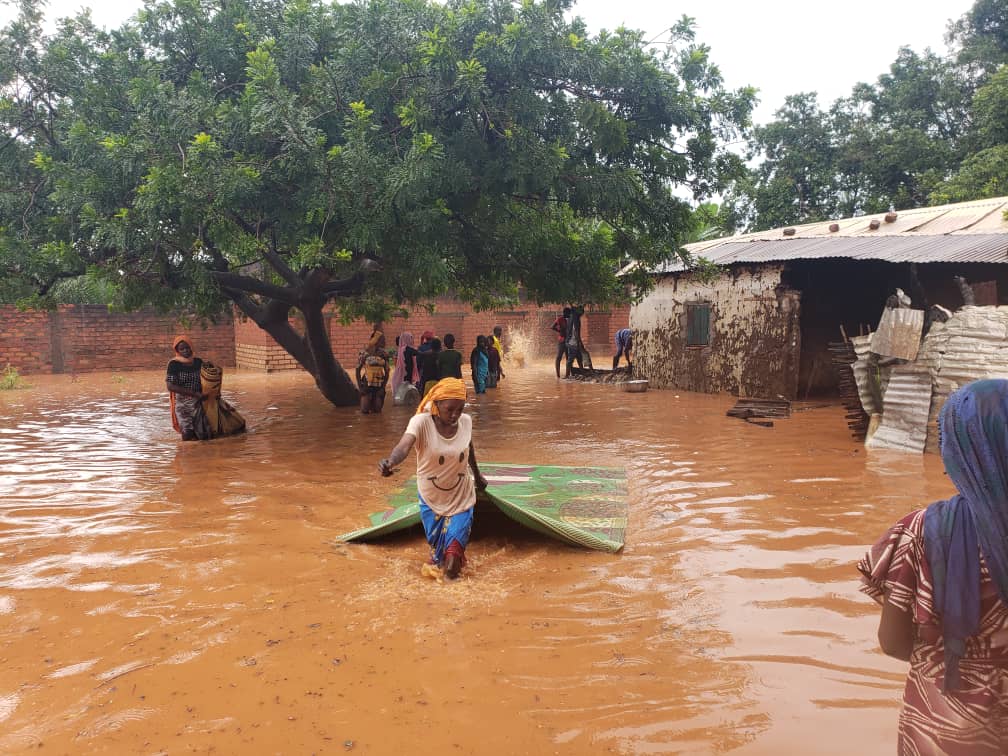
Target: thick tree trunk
332, 380
311, 351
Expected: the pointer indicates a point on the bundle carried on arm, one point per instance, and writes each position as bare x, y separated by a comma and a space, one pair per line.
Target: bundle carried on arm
222, 417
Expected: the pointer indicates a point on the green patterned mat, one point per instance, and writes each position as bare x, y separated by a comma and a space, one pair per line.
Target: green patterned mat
584, 506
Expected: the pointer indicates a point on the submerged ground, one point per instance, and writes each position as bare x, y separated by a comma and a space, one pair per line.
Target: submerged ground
160, 597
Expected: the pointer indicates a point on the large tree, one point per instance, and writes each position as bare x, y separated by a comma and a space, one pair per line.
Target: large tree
932, 129
279, 155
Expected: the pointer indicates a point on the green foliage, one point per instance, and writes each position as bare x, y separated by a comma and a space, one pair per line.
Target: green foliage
981, 36
990, 110
472, 147
82, 290
982, 175
11, 380
921, 134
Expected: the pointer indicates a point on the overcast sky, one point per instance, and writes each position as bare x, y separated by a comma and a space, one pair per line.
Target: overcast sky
779, 46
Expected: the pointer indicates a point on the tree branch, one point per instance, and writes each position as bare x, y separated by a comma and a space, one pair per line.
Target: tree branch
255, 286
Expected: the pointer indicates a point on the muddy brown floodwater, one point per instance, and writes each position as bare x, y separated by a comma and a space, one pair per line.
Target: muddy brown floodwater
160, 597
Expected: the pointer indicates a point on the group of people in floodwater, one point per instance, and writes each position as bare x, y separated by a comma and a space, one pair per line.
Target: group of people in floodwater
570, 346
418, 368
940, 573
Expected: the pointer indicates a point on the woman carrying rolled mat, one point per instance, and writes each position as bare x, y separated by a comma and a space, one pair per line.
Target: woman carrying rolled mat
941, 576
442, 435
185, 391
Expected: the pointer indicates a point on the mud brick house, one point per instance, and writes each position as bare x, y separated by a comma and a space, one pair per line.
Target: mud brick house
761, 324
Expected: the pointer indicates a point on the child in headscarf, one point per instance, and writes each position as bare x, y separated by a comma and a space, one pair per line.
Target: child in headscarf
373, 374
442, 435
941, 576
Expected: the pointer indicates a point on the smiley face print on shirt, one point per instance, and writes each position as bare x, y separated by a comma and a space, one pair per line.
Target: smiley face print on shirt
443, 478
458, 476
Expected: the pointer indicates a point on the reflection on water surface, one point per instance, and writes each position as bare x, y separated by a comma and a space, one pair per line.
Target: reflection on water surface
157, 596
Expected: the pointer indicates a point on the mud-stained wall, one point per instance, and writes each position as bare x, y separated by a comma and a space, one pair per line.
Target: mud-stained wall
755, 340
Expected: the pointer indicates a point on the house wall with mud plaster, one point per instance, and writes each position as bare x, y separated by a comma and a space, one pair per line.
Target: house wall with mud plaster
754, 345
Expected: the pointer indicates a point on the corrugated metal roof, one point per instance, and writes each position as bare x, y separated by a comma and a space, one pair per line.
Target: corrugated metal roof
964, 232
990, 248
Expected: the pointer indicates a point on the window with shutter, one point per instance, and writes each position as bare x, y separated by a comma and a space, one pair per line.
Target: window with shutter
698, 324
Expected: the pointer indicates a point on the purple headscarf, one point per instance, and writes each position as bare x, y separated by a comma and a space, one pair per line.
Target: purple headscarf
974, 447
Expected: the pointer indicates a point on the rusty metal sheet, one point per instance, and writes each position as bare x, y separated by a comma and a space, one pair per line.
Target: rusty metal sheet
991, 223
961, 217
964, 232
862, 348
906, 406
985, 293
990, 248
899, 333
971, 345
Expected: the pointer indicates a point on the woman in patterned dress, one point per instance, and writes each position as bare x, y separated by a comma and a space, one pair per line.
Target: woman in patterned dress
941, 576
185, 391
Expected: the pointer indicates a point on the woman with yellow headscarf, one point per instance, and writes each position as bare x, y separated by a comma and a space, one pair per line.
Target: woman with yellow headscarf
442, 435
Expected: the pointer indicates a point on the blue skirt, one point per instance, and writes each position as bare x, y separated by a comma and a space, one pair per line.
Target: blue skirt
442, 530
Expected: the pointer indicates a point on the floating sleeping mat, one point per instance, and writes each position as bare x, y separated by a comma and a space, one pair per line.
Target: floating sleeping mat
583, 506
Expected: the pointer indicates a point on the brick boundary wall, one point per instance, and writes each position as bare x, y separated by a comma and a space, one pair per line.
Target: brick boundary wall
88, 338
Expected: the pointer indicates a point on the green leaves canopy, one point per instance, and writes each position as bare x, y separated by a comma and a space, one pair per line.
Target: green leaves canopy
932, 129
208, 152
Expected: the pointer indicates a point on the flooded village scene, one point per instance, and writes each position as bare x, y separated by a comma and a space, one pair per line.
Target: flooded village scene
490, 377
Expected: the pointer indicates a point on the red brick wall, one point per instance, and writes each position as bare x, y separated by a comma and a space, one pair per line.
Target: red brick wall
255, 350
83, 338
86, 338
599, 328
25, 340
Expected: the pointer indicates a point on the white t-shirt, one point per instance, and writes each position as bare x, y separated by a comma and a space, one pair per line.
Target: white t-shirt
443, 477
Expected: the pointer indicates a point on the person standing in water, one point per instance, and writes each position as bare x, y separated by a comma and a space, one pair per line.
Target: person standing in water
442, 435
427, 361
373, 374
479, 364
573, 339
185, 391
498, 333
494, 372
449, 359
941, 577
405, 367
560, 326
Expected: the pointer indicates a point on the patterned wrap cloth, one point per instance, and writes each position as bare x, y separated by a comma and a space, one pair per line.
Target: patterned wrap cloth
947, 566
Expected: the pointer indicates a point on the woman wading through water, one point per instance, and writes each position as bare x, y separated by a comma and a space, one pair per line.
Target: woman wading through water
194, 390
185, 391
442, 435
941, 576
